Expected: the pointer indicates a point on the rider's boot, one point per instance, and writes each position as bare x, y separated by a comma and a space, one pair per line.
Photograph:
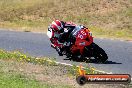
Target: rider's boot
59, 50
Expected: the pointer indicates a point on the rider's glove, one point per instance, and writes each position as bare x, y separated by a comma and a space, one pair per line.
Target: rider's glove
66, 44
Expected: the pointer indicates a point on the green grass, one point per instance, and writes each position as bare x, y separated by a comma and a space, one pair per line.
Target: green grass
112, 18
18, 56
13, 73
11, 76
119, 34
45, 61
17, 70
20, 81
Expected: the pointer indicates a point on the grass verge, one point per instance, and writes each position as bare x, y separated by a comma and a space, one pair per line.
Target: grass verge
20, 70
17, 70
14, 80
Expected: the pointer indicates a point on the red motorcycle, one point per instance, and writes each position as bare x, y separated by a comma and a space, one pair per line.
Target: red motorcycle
83, 46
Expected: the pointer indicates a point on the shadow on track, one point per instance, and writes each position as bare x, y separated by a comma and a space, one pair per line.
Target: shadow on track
111, 62
94, 61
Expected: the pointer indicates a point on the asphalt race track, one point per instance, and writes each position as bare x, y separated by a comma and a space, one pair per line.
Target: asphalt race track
38, 45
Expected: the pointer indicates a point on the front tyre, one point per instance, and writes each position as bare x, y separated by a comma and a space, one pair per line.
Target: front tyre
99, 54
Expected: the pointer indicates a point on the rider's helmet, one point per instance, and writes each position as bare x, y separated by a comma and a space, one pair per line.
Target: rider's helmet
57, 26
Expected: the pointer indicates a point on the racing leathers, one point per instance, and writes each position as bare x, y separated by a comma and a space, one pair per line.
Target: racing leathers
57, 39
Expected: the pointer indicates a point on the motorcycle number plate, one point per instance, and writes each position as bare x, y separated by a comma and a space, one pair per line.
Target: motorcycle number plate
82, 34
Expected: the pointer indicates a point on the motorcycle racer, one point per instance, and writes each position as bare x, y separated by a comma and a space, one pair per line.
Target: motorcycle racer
74, 41
57, 32
60, 32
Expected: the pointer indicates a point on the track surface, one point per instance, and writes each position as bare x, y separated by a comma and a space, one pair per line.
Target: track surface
36, 44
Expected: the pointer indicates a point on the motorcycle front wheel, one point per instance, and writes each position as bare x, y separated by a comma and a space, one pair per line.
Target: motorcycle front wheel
99, 54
